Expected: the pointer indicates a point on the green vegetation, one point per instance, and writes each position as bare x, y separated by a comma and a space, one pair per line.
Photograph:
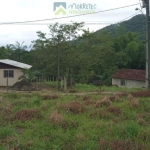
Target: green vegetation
85, 58
92, 88
105, 122
136, 25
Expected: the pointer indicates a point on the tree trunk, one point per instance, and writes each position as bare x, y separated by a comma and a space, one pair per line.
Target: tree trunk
69, 83
30, 87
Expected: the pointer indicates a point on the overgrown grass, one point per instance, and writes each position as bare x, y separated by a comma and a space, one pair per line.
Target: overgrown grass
92, 88
90, 122
52, 84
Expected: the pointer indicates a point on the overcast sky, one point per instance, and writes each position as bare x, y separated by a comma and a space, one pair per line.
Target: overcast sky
23, 10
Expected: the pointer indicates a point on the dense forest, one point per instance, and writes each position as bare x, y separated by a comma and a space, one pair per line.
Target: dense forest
137, 24
84, 58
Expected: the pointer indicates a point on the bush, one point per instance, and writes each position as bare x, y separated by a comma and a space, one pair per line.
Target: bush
85, 98
88, 103
119, 145
76, 107
141, 93
115, 110
134, 103
102, 114
26, 115
55, 117
104, 102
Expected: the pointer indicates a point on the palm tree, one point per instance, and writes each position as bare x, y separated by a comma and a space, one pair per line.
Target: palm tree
19, 49
28, 76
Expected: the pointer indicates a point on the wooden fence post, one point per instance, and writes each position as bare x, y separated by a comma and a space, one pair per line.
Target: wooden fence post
7, 83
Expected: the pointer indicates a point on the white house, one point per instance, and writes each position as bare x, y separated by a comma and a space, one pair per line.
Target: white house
129, 78
10, 71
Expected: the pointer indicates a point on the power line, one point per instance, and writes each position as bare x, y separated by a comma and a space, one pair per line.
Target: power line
89, 22
5, 23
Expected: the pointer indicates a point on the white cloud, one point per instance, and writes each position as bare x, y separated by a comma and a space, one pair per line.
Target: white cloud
22, 10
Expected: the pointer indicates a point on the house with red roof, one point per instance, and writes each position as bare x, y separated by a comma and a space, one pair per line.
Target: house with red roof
129, 78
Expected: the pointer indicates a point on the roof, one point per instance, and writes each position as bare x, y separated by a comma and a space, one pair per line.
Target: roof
15, 63
130, 74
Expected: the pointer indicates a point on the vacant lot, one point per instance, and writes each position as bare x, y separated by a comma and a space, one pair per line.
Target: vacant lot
73, 122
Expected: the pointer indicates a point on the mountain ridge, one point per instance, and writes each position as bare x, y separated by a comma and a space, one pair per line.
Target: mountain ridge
136, 24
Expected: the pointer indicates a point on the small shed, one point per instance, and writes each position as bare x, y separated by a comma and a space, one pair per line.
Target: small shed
10, 71
129, 78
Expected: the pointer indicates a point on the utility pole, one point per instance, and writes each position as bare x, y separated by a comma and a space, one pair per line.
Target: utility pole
146, 3
58, 64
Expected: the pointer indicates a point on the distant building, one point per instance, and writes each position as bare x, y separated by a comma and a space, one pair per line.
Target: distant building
129, 78
12, 70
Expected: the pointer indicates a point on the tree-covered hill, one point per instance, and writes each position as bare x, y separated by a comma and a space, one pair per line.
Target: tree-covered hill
136, 24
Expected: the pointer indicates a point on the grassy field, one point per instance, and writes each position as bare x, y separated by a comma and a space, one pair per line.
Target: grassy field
89, 122
92, 88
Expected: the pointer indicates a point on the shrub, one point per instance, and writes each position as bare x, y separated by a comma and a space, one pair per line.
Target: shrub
125, 145
26, 115
145, 93
88, 103
117, 98
85, 98
142, 122
103, 144
6, 112
112, 98
134, 103
115, 110
130, 97
122, 95
102, 114
75, 107
55, 117
119, 145
104, 102
144, 135
144, 116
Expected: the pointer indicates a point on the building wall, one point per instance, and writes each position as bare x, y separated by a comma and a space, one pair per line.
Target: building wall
11, 81
129, 83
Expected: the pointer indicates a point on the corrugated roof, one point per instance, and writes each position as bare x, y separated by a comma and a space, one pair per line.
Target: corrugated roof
130, 74
15, 63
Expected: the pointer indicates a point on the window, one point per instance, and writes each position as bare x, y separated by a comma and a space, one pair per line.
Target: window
8, 73
122, 82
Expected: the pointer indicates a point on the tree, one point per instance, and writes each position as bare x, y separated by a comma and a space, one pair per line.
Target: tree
19, 49
4, 54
